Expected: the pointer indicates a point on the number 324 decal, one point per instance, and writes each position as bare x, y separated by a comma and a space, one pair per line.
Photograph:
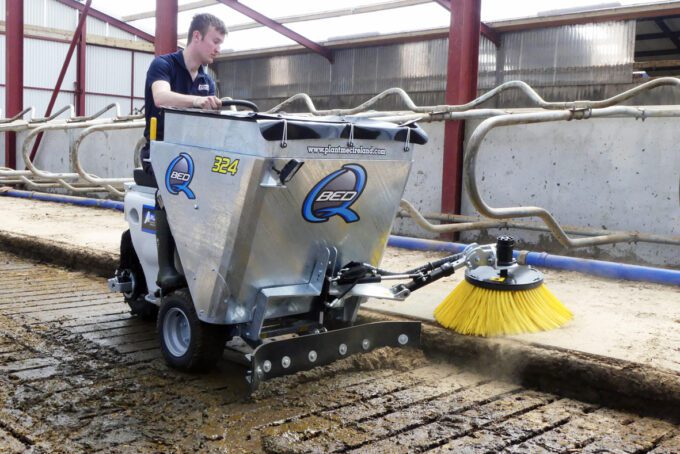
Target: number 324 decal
225, 165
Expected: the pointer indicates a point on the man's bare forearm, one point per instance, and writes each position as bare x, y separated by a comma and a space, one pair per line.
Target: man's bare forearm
172, 99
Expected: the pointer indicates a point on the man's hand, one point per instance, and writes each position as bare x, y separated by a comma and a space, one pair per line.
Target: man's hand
164, 97
207, 102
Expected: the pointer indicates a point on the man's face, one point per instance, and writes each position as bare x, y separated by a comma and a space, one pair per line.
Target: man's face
209, 46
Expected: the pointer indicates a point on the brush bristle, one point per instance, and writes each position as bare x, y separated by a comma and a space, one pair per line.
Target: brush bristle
484, 312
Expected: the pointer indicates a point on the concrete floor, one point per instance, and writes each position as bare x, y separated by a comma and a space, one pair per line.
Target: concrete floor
632, 321
80, 374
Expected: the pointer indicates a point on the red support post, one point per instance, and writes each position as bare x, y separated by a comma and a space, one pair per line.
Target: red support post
14, 72
461, 87
132, 81
166, 26
81, 57
486, 31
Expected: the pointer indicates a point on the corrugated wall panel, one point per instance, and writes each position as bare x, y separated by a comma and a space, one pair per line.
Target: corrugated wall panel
386, 70
39, 99
60, 16
43, 61
117, 33
108, 71
101, 28
2, 136
588, 54
344, 74
137, 106
2, 66
34, 12
487, 64
142, 62
52, 14
94, 103
96, 27
279, 76
318, 77
573, 54
417, 66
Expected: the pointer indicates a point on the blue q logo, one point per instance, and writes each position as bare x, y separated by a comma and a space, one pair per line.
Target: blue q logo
333, 195
179, 175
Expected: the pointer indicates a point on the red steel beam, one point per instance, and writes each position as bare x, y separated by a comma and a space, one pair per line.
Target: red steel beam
166, 27
490, 34
81, 57
280, 28
14, 72
110, 20
486, 31
67, 60
132, 80
461, 87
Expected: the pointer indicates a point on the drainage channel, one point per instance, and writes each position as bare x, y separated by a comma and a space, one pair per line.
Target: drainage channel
79, 374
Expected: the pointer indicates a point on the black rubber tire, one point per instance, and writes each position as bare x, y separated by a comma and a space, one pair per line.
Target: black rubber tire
129, 261
206, 341
143, 309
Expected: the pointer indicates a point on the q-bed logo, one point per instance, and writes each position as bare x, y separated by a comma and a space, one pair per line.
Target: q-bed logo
179, 175
334, 195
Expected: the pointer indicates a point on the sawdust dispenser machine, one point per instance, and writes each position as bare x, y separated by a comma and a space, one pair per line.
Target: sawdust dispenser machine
278, 225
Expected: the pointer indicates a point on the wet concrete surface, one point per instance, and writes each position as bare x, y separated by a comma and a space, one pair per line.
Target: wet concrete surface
79, 374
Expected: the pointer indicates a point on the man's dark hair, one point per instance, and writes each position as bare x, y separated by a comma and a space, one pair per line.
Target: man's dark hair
202, 22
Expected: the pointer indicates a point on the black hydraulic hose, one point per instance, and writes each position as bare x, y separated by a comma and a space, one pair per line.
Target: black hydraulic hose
429, 266
436, 264
447, 269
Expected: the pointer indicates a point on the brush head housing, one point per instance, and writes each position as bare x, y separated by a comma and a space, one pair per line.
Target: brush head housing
516, 277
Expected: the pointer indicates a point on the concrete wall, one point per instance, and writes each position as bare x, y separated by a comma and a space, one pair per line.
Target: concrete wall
614, 174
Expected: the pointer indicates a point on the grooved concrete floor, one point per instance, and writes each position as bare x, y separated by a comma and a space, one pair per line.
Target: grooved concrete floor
79, 374
632, 321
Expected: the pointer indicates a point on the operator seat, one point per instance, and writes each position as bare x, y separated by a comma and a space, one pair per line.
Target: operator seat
144, 179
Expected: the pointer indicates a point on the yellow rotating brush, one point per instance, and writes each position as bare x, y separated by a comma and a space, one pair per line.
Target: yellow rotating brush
504, 298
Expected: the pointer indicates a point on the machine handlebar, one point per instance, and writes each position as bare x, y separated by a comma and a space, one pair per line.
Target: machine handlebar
240, 102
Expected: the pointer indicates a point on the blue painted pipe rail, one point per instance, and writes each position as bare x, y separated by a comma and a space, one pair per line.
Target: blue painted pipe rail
541, 259
80, 201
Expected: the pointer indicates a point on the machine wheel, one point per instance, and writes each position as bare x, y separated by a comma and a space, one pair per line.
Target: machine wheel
186, 342
129, 262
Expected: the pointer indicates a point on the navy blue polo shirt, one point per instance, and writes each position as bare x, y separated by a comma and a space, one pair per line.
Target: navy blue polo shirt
171, 68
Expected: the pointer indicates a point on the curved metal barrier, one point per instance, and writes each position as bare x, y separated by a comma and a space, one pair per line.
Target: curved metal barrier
79, 182
473, 149
438, 113
543, 111
106, 183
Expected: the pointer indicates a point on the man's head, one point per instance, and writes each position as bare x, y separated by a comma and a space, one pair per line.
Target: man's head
206, 34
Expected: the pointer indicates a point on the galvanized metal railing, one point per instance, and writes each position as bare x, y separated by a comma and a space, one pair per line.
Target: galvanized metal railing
542, 111
473, 149
79, 182
439, 112
108, 183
